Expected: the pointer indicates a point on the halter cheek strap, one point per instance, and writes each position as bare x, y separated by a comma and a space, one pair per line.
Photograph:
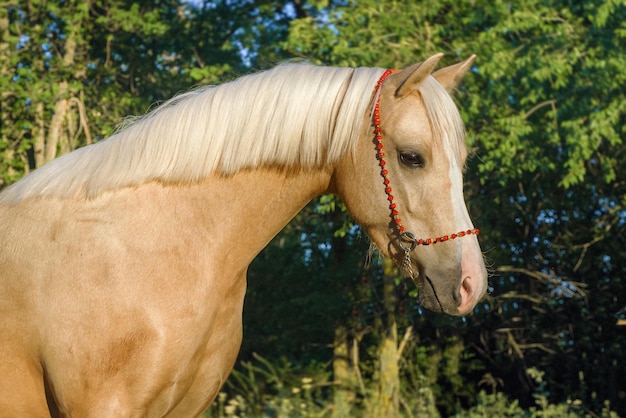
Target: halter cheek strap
408, 241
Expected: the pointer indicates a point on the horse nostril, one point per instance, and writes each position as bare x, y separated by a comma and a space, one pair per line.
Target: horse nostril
464, 291
466, 294
466, 287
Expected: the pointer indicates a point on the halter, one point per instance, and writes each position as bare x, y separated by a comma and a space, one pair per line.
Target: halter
408, 241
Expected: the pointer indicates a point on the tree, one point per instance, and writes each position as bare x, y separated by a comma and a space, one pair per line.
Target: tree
48, 74
545, 117
71, 71
544, 111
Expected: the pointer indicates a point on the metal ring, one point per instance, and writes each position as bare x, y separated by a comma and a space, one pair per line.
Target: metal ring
408, 237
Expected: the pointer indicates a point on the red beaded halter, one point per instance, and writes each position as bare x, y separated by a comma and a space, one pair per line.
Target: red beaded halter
408, 241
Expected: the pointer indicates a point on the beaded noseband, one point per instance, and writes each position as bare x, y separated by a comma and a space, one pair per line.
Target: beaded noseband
408, 241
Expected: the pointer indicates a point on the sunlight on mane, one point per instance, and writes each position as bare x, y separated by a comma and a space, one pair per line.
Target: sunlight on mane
291, 115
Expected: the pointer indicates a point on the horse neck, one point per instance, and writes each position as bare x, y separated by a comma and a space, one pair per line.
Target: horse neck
253, 206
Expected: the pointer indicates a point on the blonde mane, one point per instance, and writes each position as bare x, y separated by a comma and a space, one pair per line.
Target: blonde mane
293, 115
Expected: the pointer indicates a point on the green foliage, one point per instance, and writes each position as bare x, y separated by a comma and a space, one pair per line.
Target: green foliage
262, 389
545, 117
111, 58
313, 280
498, 405
330, 204
533, 60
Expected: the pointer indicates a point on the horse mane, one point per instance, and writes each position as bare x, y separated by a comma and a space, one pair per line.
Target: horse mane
296, 115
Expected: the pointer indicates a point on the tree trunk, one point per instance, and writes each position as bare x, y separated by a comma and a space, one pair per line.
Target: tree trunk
344, 376
387, 402
60, 132
39, 136
5, 74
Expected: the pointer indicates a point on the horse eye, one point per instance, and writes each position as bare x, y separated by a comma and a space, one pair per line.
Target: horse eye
412, 159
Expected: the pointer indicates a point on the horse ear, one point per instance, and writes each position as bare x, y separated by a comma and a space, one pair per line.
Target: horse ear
450, 77
416, 74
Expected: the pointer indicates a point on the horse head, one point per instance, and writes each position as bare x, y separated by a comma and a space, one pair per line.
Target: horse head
404, 185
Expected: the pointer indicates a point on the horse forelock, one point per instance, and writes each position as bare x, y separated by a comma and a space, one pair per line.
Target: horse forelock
291, 116
447, 125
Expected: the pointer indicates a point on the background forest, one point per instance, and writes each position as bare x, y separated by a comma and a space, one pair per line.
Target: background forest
331, 329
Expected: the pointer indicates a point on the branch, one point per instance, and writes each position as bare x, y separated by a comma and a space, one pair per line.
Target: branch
407, 336
548, 279
355, 364
516, 348
537, 346
83, 118
40, 135
607, 227
543, 277
517, 295
551, 103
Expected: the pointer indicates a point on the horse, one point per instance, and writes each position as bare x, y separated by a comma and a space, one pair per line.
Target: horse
123, 263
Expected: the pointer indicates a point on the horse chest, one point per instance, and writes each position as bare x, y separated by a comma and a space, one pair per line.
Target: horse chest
209, 374
182, 363
211, 364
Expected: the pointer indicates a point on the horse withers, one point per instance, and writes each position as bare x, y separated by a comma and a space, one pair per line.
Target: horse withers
123, 264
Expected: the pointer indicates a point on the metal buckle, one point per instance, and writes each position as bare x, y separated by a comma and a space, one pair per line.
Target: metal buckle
407, 237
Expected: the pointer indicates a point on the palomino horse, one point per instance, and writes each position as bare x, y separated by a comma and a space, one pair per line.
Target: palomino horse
123, 264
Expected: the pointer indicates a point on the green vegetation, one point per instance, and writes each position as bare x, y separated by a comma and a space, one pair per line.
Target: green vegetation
263, 389
337, 332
